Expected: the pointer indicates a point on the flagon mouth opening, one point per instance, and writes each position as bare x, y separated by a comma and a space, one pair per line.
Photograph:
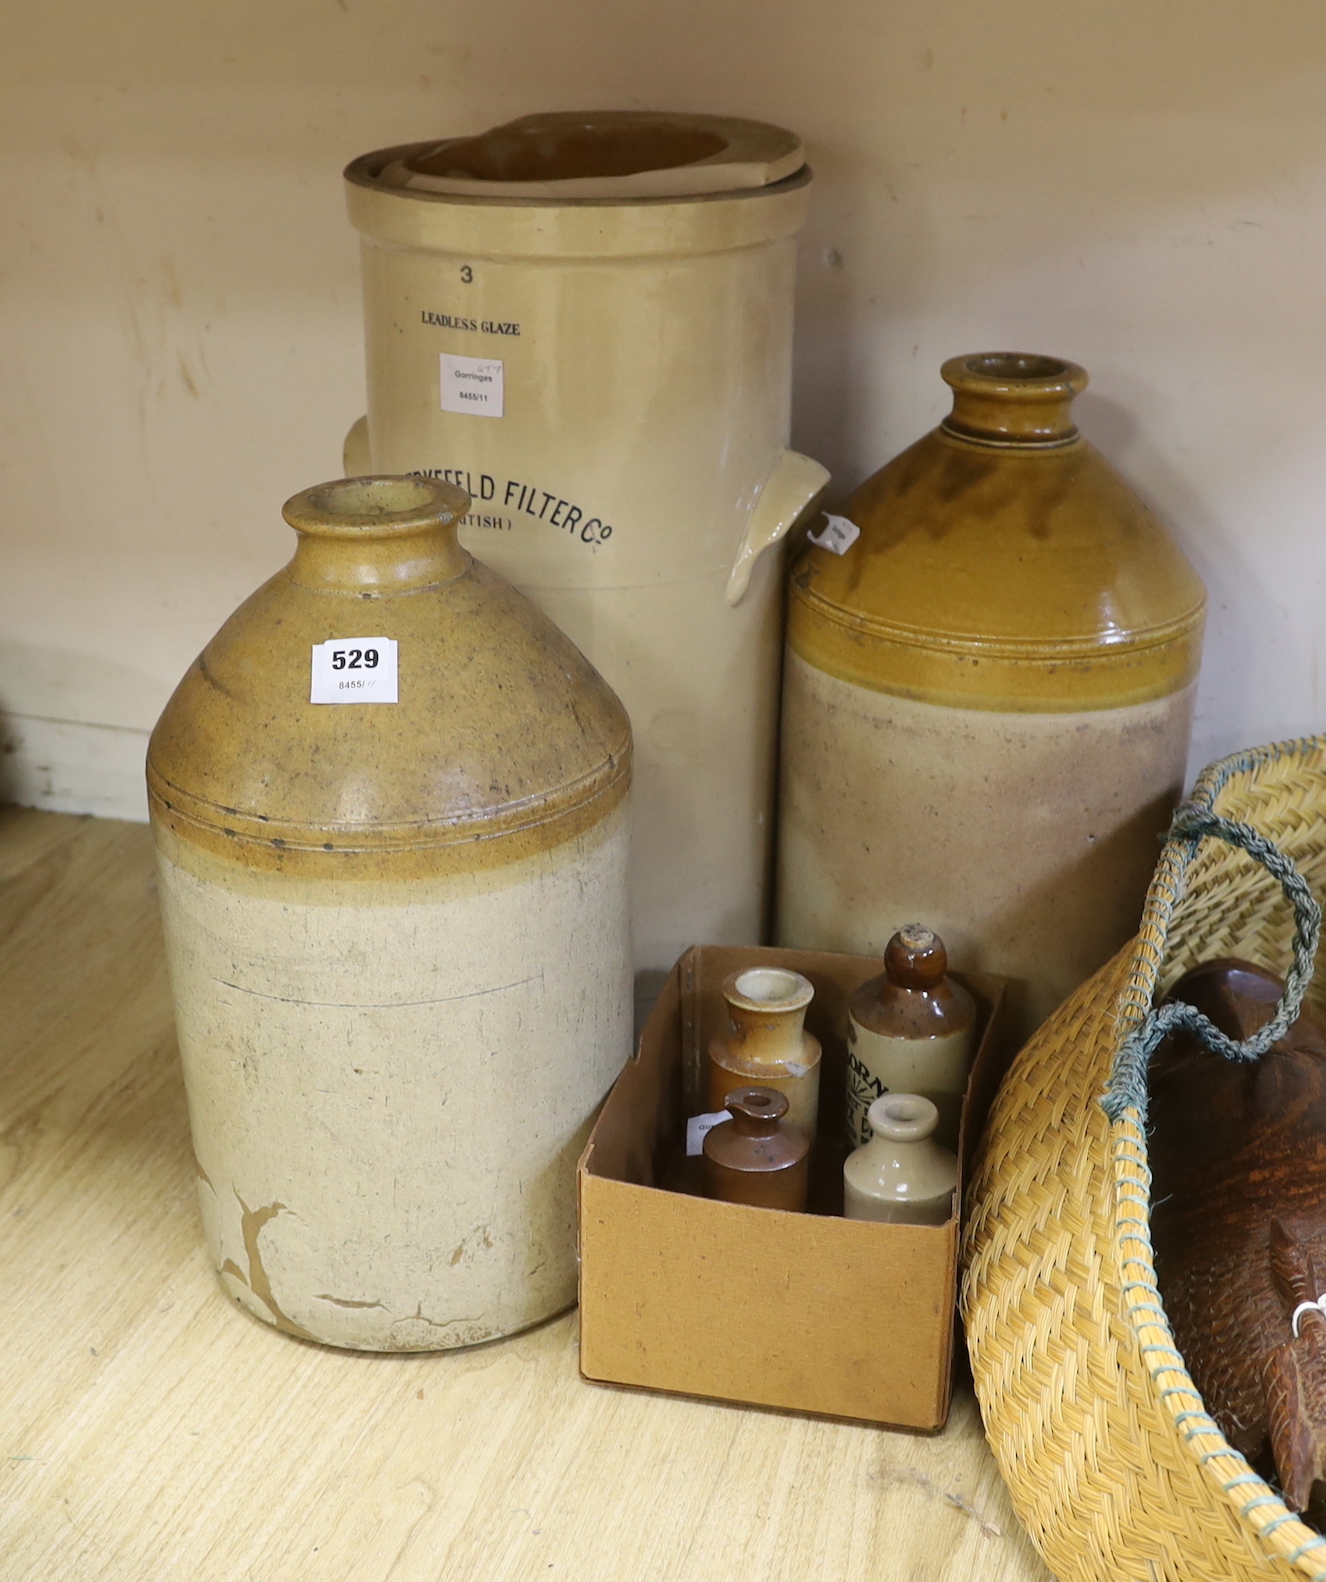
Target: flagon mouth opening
903, 1117
375, 506
1015, 365
1017, 376
904, 1109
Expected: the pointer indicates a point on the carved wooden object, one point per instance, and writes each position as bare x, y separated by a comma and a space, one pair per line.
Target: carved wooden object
1239, 1219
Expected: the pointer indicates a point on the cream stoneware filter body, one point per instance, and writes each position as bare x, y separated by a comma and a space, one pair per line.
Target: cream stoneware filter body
397, 929
987, 695
586, 322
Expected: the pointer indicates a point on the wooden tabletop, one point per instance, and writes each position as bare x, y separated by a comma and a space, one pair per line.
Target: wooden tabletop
150, 1431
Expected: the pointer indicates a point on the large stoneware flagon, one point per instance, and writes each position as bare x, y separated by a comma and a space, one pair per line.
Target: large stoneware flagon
397, 929
988, 695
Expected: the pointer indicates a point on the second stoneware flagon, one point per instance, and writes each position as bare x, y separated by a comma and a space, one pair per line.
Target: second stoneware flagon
586, 321
988, 695
389, 802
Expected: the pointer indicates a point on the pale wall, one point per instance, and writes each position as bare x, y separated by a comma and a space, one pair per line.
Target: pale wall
1139, 187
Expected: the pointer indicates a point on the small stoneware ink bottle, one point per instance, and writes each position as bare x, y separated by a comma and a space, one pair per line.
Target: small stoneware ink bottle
911, 1030
756, 1158
767, 1042
902, 1174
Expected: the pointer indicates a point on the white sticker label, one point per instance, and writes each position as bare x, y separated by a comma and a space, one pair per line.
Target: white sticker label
838, 536
354, 670
471, 384
697, 1126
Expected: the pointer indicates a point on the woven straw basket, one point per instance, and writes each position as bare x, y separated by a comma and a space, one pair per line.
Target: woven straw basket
1112, 1463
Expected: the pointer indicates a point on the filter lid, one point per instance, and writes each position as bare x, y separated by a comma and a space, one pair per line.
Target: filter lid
602, 154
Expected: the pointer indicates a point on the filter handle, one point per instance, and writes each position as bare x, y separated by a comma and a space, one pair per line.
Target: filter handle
789, 491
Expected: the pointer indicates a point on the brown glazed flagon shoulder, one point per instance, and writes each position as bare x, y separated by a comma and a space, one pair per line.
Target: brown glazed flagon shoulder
504, 742
1003, 564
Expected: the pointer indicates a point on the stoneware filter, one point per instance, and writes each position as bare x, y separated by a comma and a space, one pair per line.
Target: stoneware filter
586, 322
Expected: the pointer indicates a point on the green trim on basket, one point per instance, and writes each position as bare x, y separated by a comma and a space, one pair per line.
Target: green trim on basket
1168, 881
1192, 823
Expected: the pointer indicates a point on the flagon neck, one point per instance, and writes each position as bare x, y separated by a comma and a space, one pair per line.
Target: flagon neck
905, 1118
1013, 398
377, 535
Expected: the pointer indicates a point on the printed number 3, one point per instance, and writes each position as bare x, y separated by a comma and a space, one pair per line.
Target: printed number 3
355, 659
466, 273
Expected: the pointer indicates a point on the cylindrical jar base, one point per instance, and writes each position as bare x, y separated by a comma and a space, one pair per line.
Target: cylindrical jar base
390, 1083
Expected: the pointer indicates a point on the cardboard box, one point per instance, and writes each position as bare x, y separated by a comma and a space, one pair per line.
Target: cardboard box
809, 1312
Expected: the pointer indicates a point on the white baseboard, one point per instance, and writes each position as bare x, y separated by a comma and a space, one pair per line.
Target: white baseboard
68, 766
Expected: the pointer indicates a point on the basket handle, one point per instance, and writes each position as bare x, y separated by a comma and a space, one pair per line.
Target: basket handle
1193, 822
